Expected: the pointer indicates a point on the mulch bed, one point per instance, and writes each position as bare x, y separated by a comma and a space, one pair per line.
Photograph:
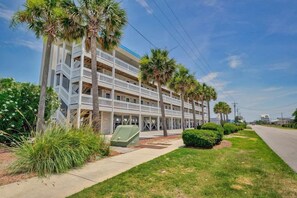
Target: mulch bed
224, 144
6, 158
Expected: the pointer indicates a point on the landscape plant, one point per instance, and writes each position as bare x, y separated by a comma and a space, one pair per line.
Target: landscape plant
218, 130
58, 150
230, 128
19, 104
199, 138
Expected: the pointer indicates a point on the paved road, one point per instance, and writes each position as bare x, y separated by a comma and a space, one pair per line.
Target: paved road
282, 141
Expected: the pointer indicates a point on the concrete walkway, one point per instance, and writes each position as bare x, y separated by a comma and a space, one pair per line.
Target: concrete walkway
282, 141
76, 180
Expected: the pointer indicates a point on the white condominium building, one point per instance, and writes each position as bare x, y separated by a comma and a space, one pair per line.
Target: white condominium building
123, 99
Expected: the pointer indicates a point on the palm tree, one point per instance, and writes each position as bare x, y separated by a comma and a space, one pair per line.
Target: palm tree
43, 17
102, 22
178, 83
194, 93
219, 109
211, 94
203, 94
295, 115
157, 68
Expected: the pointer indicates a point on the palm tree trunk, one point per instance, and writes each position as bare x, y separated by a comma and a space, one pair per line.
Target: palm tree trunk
42, 98
194, 113
202, 101
227, 117
183, 113
95, 94
162, 110
221, 118
208, 113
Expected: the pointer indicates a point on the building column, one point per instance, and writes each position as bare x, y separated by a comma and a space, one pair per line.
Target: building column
158, 123
112, 94
140, 122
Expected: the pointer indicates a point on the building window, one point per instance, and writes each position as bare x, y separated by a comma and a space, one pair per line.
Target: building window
107, 95
65, 82
58, 79
118, 97
142, 102
127, 100
134, 100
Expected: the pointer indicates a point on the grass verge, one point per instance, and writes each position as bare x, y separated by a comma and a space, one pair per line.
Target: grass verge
247, 169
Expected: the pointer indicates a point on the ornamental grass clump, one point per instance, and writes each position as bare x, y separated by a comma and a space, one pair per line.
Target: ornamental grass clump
58, 150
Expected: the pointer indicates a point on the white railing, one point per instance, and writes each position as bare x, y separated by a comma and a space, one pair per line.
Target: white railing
105, 56
76, 73
64, 94
150, 109
87, 99
149, 92
125, 85
77, 49
60, 117
74, 99
126, 105
127, 66
64, 68
101, 77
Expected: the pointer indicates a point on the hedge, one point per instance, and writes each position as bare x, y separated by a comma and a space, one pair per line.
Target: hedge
229, 128
218, 129
199, 138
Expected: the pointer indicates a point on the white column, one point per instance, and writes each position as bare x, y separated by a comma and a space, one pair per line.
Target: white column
158, 123
112, 94
139, 102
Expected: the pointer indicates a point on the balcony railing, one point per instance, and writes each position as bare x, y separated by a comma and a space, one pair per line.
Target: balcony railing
126, 105
87, 99
148, 92
64, 68
126, 66
128, 86
150, 109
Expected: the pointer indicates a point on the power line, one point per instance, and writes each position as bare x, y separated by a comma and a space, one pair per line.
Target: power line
145, 38
273, 108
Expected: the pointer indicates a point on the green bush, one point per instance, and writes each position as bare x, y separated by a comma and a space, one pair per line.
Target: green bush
218, 129
199, 138
18, 108
58, 150
229, 128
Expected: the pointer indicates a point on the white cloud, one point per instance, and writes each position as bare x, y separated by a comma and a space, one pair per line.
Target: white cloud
145, 5
272, 89
33, 45
5, 13
279, 66
234, 61
209, 77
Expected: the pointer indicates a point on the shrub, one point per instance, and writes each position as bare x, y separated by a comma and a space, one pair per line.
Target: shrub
240, 126
218, 129
58, 150
199, 138
18, 108
229, 128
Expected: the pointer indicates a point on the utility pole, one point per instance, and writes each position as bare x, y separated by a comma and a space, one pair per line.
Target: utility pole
234, 105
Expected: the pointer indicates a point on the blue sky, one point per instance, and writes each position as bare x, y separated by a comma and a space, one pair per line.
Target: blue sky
245, 49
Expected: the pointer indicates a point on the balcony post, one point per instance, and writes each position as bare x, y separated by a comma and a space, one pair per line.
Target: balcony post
158, 123
112, 94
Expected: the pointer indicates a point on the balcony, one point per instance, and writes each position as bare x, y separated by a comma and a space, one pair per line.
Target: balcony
65, 69
126, 66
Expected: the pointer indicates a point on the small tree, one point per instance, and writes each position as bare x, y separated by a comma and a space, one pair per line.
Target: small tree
194, 93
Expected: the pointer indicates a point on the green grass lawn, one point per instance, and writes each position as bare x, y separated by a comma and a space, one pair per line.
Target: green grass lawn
247, 169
